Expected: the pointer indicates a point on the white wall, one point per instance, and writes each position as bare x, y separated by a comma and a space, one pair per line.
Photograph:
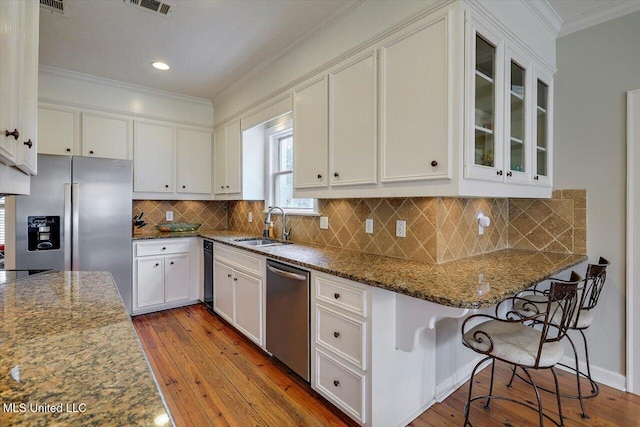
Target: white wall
596, 66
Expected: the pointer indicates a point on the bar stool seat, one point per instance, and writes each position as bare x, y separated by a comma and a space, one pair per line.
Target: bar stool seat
513, 343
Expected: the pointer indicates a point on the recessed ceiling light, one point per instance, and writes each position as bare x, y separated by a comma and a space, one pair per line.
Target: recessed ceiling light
160, 66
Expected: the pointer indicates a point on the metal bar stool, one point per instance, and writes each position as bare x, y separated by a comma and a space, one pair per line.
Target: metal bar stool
531, 301
512, 341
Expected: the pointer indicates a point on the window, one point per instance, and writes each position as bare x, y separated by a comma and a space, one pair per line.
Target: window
280, 171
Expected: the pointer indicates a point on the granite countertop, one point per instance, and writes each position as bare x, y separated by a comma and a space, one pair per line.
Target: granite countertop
475, 282
66, 344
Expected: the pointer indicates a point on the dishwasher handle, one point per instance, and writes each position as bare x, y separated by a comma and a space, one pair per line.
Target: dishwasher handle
287, 274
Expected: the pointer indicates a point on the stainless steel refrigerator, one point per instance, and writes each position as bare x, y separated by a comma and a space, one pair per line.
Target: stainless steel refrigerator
78, 217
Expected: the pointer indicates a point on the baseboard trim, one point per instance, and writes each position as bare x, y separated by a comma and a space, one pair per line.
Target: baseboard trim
600, 375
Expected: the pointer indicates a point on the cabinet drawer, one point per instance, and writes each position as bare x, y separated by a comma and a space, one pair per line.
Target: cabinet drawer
161, 248
342, 386
342, 294
240, 259
343, 335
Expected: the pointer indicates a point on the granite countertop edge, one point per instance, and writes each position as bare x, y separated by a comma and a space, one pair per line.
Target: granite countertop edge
448, 284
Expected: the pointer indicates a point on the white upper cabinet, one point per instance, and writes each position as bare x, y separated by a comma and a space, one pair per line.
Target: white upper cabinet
227, 159
310, 134
193, 163
170, 161
19, 23
542, 152
27, 151
153, 157
57, 130
353, 121
106, 135
414, 104
455, 102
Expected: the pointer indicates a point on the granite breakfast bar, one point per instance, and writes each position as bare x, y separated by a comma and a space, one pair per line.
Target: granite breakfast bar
69, 355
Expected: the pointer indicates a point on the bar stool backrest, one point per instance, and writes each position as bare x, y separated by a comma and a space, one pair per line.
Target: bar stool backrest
593, 284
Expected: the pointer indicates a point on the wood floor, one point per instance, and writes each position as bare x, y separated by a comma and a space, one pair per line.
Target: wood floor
211, 375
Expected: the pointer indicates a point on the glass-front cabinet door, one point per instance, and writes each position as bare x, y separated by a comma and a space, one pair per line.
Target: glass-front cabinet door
517, 119
543, 129
485, 110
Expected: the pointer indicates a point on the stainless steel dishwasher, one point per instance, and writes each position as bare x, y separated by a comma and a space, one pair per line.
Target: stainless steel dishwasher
288, 316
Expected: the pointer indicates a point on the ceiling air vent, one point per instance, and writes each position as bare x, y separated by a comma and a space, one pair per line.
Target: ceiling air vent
160, 7
58, 7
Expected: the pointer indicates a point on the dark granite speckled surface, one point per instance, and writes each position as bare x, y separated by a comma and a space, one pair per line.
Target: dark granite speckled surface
66, 342
502, 273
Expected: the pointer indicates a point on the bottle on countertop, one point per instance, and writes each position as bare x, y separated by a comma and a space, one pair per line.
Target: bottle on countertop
272, 231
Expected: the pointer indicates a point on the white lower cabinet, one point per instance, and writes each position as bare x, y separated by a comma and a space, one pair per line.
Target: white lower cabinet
340, 343
238, 290
164, 274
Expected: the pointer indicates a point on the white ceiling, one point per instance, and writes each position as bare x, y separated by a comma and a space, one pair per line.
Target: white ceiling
210, 44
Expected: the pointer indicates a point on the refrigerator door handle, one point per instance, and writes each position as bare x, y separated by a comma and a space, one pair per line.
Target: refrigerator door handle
67, 226
75, 233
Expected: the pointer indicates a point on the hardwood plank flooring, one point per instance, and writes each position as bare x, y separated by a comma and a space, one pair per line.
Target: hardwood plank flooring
211, 375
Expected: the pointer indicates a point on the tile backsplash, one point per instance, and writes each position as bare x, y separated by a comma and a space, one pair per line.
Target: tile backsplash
439, 229
211, 214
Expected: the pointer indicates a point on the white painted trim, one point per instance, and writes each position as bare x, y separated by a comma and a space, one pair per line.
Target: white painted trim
633, 242
599, 375
546, 14
605, 13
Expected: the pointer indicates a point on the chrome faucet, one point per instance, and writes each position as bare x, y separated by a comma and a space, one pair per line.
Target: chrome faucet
285, 232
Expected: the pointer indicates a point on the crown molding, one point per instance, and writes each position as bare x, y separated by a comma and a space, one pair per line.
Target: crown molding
598, 16
546, 14
46, 69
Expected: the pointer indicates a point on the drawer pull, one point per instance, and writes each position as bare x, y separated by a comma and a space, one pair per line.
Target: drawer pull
157, 265
336, 334
235, 279
171, 262
336, 383
336, 295
164, 249
228, 275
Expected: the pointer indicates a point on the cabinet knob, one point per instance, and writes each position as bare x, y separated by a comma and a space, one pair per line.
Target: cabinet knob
91, 152
222, 186
68, 150
15, 134
336, 383
171, 262
499, 172
157, 265
226, 186
434, 163
509, 173
319, 176
336, 295
229, 275
166, 186
536, 177
235, 279
336, 174
184, 186
336, 334
28, 143
164, 248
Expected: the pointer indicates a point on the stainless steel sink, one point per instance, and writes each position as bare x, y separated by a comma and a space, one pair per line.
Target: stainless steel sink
259, 242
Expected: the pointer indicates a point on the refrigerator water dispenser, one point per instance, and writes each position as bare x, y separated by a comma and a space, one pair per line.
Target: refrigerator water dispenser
43, 233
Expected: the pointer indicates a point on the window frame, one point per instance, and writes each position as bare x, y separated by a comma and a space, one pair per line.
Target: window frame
272, 136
